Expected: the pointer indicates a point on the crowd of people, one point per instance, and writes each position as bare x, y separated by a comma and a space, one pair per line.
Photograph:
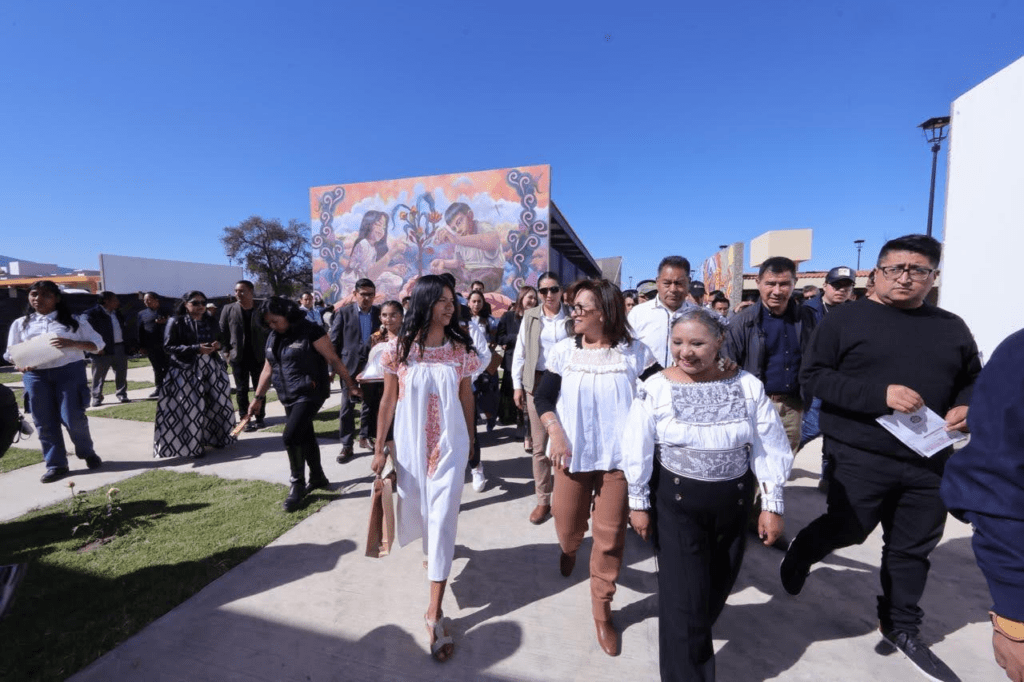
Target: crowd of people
663, 408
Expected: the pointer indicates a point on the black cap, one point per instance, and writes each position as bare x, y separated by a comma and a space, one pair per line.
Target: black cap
696, 286
840, 274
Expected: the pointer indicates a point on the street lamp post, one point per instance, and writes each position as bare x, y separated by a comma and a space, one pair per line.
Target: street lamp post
935, 131
859, 243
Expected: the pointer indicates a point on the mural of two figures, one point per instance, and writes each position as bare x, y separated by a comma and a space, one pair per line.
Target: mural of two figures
490, 226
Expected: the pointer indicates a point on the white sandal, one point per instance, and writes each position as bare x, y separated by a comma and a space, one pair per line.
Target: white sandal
441, 640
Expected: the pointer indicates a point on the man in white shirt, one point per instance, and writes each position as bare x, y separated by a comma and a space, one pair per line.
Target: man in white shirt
652, 320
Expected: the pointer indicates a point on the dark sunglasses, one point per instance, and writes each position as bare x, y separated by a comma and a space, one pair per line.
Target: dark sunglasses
197, 303
549, 290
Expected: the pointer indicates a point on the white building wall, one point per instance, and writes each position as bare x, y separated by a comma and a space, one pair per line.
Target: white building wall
983, 251
126, 274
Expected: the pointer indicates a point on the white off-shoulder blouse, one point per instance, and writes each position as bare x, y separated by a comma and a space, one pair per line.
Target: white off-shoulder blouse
706, 431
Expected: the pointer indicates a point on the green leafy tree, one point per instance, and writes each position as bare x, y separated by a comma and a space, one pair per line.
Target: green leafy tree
278, 256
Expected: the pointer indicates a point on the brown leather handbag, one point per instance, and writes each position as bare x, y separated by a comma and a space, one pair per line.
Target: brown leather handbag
380, 536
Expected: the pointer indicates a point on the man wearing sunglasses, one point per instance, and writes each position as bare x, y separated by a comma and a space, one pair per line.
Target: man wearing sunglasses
890, 352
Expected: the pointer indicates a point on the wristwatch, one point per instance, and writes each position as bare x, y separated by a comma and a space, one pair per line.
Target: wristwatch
1011, 629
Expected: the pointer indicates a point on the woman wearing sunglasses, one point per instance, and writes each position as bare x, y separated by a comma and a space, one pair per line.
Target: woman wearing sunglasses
542, 327
194, 409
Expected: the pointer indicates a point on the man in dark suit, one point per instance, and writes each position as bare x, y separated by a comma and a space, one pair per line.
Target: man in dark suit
107, 320
151, 324
351, 327
243, 341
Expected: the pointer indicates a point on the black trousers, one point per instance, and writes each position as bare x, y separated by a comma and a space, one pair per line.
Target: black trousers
373, 391
300, 440
347, 418
243, 371
902, 495
158, 360
701, 538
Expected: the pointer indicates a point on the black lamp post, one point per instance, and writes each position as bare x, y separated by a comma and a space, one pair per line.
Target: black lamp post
859, 243
935, 131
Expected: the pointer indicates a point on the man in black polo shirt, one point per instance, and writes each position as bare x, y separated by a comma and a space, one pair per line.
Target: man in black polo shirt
889, 352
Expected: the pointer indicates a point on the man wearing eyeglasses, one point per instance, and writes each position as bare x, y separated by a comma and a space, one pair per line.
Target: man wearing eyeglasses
890, 352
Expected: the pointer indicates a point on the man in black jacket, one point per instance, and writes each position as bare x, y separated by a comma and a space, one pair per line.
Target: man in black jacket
767, 339
244, 338
151, 324
351, 327
891, 352
107, 320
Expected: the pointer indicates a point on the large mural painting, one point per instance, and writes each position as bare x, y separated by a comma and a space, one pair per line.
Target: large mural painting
490, 226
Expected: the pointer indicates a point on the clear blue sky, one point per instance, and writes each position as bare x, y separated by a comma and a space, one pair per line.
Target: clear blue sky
144, 128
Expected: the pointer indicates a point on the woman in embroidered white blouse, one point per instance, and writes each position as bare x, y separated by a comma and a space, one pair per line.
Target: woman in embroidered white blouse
583, 399
697, 439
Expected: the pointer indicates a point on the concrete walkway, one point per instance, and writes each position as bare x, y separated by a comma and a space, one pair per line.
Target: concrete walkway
310, 606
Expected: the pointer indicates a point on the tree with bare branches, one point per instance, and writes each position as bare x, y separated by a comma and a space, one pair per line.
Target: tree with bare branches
277, 256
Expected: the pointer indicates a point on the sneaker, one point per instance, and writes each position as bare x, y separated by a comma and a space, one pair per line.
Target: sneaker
10, 577
930, 665
54, 474
793, 575
93, 461
479, 482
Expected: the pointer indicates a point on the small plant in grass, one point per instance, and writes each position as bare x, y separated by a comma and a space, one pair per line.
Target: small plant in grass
98, 521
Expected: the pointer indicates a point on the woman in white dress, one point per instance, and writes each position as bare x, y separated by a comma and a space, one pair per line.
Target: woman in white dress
583, 399
428, 394
696, 440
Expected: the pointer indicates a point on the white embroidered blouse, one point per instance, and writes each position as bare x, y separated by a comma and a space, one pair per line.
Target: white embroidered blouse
598, 387
708, 431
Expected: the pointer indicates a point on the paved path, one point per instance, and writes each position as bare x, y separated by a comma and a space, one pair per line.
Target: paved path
310, 606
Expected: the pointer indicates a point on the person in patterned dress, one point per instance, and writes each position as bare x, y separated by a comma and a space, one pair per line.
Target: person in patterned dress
194, 409
428, 394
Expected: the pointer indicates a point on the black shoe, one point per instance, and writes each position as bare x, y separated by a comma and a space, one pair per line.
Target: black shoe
155, 394
793, 575
345, 455
97, 403
54, 474
93, 462
124, 400
199, 455
250, 427
317, 483
260, 424
295, 495
930, 665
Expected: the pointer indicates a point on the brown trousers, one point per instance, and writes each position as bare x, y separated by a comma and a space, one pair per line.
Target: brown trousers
541, 464
606, 492
791, 410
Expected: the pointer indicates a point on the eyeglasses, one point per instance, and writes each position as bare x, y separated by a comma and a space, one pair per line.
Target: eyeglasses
549, 290
917, 273
202, 303
580, 310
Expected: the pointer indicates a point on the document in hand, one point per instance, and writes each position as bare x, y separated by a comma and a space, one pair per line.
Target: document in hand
922, 431
36, 351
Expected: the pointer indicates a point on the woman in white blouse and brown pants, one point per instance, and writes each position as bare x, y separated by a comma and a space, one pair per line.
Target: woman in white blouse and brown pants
583, 400
542, 327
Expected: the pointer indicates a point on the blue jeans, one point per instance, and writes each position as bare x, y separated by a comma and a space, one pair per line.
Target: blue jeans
59, 396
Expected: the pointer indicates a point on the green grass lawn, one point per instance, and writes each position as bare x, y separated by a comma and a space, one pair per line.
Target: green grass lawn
10, 377
325, 424
19, 457
138, 362
179, 532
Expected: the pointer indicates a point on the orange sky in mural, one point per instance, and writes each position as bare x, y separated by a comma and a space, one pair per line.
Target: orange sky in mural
491, 182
